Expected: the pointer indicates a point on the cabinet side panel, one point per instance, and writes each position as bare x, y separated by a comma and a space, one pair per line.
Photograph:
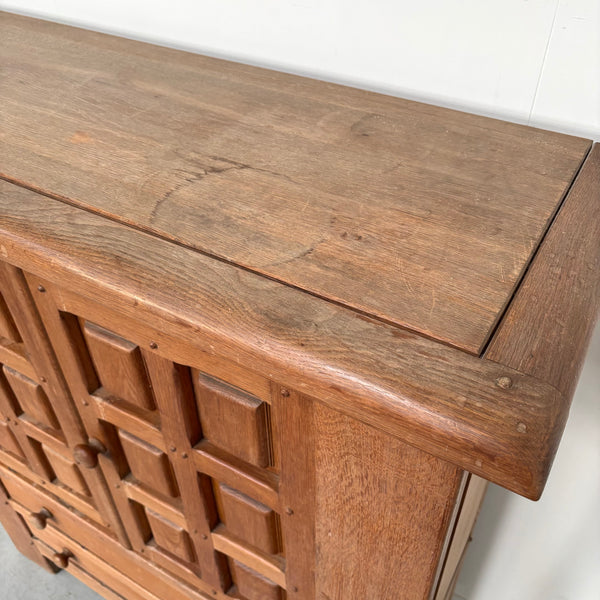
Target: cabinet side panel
382, 513
468, 510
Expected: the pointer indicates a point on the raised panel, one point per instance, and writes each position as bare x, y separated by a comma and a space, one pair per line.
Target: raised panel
8, 441
149, 465
38, 461
119, 366
248, 519
232, 420
8, 329
66, 471
31, 398
252, 586
8, 403
170, 537
172, 467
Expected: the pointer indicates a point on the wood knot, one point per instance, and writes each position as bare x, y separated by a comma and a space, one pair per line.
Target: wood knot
521, 428
504, 382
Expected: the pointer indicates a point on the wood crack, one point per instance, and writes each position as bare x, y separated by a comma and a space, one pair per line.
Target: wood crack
204, 172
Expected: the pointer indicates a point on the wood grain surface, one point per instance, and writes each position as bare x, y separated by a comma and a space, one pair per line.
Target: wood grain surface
440, 399
548, 326
374, 493
260, 334
107, 581
420, 216
48, 387
293, 414
19, 533
459, 536
26, 498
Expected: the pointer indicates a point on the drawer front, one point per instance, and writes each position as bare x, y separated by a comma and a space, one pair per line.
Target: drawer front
67, 555
95, 552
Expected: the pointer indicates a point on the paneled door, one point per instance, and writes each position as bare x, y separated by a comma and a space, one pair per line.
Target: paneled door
187, 442
41, 435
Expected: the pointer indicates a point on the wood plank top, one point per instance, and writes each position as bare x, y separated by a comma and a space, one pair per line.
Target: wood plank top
552, 316
440, 399
421, 217
321, 236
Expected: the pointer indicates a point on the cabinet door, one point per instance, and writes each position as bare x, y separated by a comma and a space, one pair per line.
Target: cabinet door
236, 484
191, 454
40, 430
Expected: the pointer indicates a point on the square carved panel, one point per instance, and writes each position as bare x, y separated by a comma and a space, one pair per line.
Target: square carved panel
31, 398
232, 419
119, 366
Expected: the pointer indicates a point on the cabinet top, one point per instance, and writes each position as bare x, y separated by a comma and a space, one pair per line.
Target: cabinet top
432, 273
421, 217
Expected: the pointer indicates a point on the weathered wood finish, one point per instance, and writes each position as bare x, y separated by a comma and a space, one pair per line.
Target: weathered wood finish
381, 485
548, 326
26, 498
421, 216
175, 509
438, 398
259, 334
38, 414
467, 510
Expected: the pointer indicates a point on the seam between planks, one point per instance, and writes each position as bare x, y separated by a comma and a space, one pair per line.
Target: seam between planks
489, 336
167, 238
502, 314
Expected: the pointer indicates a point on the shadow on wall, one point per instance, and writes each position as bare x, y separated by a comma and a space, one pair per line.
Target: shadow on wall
489, 525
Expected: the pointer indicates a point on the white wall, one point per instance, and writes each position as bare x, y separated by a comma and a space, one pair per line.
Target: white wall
534, 61
531, 61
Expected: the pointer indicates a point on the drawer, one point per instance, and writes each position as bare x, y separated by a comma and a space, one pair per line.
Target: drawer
70, 556
102, 556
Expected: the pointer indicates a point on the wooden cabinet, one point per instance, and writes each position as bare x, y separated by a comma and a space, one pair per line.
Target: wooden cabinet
268, 338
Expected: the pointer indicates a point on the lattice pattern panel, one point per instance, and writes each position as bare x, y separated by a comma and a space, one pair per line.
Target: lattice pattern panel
38, 428
189, 459
8, 329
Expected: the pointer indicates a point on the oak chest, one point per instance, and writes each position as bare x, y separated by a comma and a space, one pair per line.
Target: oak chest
267, 338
